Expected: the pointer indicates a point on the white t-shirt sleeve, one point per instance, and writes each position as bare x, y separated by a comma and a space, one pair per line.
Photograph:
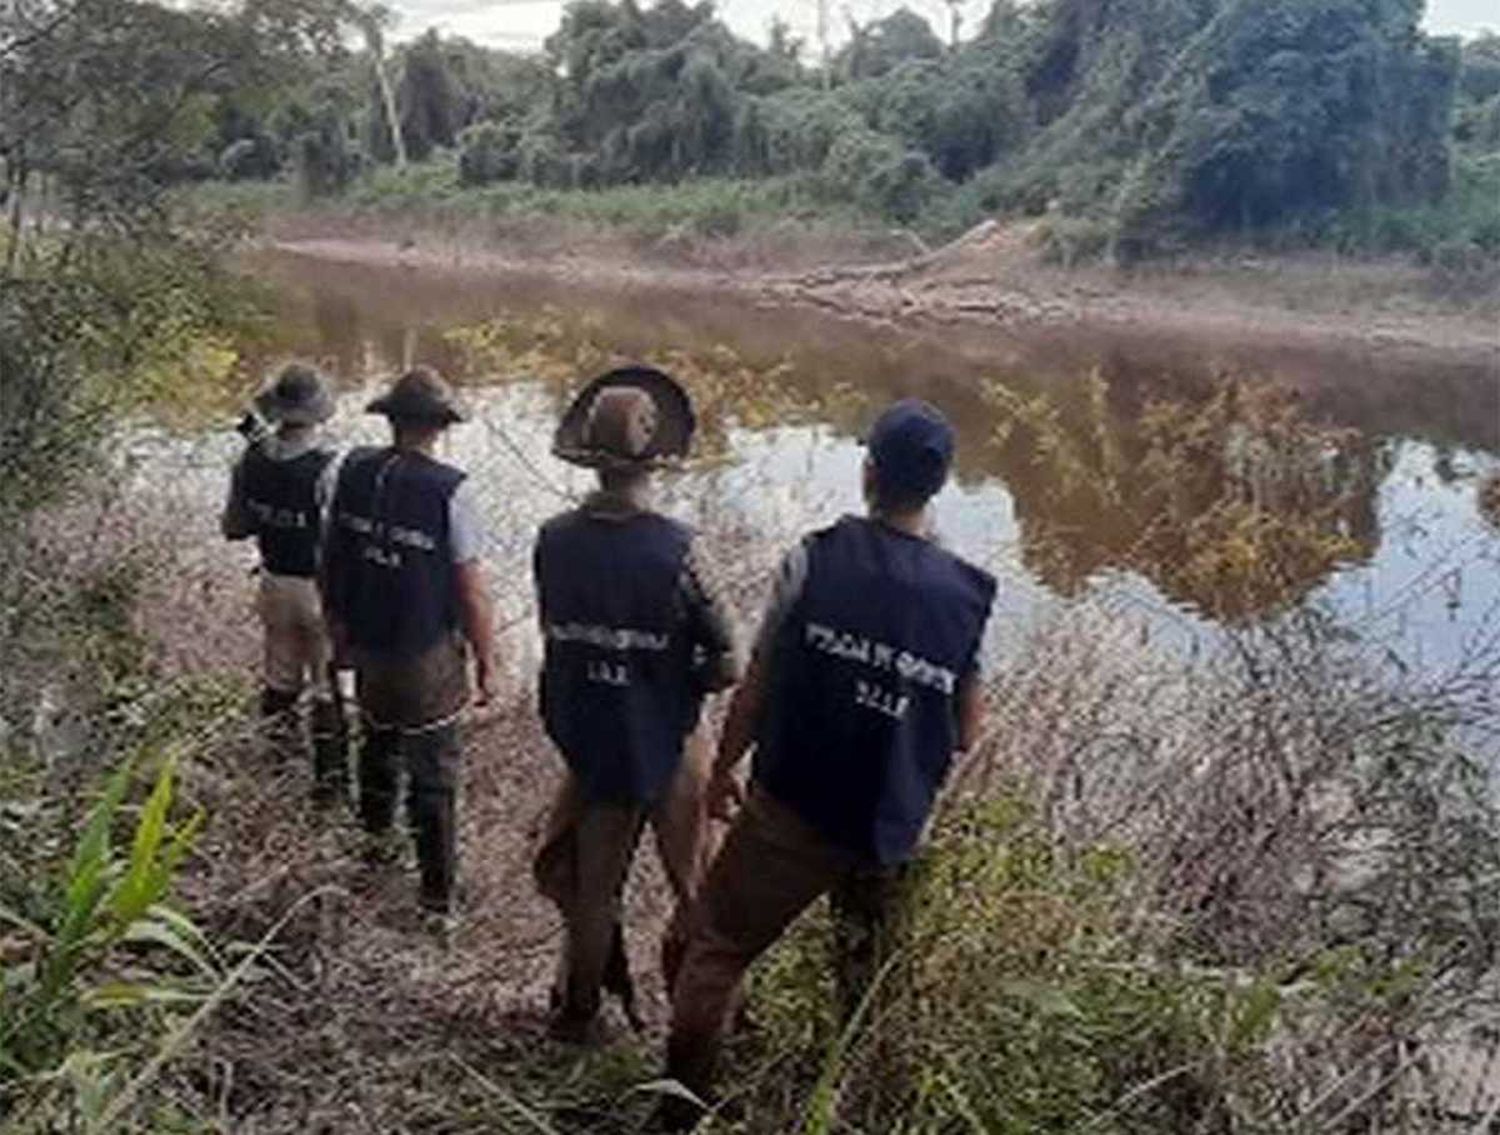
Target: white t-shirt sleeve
466, 535
328, 481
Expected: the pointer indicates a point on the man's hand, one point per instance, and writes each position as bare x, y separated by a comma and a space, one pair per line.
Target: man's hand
478, 621
725, 795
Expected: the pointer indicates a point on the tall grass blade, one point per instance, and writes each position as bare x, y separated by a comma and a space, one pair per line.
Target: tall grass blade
114, 1112
825, 1095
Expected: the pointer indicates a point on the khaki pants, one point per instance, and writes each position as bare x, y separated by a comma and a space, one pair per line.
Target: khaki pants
583, 864
297, 652
773, 867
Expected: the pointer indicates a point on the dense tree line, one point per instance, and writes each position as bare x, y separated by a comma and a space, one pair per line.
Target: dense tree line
1153, 118
1148, 119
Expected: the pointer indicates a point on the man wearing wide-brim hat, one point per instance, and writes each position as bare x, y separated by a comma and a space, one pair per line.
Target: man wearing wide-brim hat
409, 608
278, 492
634, 641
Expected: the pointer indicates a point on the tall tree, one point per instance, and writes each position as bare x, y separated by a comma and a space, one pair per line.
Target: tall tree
372, 21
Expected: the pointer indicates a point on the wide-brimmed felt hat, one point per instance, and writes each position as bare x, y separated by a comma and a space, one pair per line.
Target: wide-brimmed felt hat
420, 395
609, 425
298, 395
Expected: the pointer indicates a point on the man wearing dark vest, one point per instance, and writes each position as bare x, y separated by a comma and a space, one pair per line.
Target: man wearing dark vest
634, 640
863, 684
405, 595
278, 492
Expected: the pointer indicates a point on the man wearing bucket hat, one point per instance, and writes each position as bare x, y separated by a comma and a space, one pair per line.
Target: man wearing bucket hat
405, 596
634, 641
862, 685
277, 494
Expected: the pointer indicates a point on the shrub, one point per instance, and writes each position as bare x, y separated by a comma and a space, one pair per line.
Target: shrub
63, 1002
250, 158
326, 161
900, 188
487, 153
1132, 929
855, 154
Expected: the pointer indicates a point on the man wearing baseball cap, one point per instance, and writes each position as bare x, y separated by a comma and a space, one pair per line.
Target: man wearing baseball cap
634, 641
405, 595
863, 683
277, 494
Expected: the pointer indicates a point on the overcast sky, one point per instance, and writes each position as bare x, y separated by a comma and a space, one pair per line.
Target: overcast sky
522, 24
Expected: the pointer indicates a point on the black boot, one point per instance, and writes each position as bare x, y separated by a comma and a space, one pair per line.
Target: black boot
283, 724
617, 980
432, 764
378, 780
691, 1061
330, 739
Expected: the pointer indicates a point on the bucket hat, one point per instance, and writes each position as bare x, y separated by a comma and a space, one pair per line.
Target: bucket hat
630, 417
298, 396
420, 395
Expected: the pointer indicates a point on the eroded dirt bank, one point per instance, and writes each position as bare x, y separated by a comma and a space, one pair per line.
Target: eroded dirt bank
992, 280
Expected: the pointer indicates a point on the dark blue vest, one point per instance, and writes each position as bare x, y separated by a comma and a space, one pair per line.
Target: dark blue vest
861, 716
616, 692
390, 564
282, 502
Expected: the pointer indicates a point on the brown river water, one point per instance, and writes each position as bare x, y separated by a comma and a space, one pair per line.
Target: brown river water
1192, 483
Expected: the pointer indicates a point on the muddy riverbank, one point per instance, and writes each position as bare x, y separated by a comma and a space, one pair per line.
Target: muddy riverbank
991, 280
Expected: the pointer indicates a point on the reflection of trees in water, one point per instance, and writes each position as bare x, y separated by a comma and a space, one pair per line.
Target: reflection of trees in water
336, 331
340, 340
727, 390
1222, 494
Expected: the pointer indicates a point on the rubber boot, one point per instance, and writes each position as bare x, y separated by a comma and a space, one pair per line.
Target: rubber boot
618, 981
378, 778
330, 740
432, 763
283, 725
691, 1061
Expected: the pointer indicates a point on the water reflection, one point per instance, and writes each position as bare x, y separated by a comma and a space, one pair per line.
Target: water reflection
1224, 495
1080, 457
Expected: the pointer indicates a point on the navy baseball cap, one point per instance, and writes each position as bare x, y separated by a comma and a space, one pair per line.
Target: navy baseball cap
911, 447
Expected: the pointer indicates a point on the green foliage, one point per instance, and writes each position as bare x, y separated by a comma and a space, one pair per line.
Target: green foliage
1288, 109
789, 131
879, 48
254, 156
429, 98
1030, 999
97, 963
1458, 237
1152, 121
108, 901
95, 328
488, 153
105, 102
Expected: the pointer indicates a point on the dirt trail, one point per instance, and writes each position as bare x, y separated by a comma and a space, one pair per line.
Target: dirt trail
992, 277
358, 1020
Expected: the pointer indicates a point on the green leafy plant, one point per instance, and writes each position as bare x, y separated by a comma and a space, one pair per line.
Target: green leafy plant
100, 941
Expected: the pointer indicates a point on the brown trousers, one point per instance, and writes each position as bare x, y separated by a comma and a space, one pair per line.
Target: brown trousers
583, 863
411, 707
773, 866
